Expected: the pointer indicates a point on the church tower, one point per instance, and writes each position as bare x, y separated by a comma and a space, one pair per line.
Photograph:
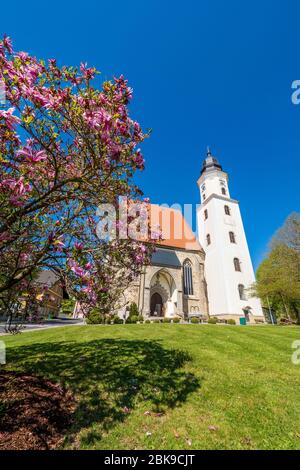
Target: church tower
228, 267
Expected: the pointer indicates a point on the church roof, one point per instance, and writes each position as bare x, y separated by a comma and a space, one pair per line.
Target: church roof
176, 232
164, 257
210, 163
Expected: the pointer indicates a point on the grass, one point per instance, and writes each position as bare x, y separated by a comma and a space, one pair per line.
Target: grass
171, 386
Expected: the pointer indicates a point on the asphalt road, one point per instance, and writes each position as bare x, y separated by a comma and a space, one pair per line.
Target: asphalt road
55, 323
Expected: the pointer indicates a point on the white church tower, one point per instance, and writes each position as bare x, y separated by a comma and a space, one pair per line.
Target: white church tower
228, 267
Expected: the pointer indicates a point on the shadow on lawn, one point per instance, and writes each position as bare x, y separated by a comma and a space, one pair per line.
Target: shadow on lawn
109, 376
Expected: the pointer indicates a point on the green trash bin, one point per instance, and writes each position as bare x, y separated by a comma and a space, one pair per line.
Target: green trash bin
243, 321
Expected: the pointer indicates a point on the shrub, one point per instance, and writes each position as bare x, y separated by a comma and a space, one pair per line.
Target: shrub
285, 321
140, 318
147, 321
167, 320
156, 321
117, 320
195, 320
95, 318
213, 321
128, 321
176, 320
134, 318
133, 310
231, 322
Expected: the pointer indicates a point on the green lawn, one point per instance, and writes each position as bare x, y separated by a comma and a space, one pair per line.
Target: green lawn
206, 387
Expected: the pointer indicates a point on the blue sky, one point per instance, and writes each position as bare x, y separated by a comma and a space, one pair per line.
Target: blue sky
206, 72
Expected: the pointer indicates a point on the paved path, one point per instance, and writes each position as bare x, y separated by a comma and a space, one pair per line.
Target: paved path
55, 323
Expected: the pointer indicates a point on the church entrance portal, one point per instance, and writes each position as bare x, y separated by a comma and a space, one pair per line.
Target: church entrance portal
156, 305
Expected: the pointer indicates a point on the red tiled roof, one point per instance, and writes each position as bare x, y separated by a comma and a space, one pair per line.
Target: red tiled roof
176, 232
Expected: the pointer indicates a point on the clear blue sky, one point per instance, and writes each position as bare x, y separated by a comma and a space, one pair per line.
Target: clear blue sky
206, 72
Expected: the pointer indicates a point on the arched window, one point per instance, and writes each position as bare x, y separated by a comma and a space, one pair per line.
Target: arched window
232, 237
237, 264
204, 197
242, 292
223, 191
187, 278
205, 214
208, 240
227, 210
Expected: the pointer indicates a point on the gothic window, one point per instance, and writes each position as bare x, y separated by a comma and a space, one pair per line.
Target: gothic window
242, 293
232, 237
205, 214
227, 210
187, 278
237, 264
223, 191
208, 240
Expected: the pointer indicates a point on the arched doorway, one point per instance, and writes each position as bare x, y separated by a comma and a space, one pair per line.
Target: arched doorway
156, 305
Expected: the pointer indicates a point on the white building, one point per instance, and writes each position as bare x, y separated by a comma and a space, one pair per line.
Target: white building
228, 267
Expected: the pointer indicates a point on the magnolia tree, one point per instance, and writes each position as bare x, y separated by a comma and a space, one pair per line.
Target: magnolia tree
66, 146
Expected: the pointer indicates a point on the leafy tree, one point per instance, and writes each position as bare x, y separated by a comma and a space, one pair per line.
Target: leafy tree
278, 276
67, 306
65, 147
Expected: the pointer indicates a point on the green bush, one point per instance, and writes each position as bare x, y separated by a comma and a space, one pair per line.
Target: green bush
117, 320
167, 320
231, 322
134, 318
147, 321
213, 321
128, 321
140, 318
176, 320
133, 310
156, 321
95, 317
195, 320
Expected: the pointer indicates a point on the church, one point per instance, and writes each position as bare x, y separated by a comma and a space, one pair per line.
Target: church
208, 275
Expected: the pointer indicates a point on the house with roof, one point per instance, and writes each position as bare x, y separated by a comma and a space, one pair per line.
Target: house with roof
50, 287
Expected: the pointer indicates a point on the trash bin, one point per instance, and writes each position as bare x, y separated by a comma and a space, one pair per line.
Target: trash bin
243, 321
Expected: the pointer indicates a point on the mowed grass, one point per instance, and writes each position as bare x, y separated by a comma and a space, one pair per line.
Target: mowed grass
171, 386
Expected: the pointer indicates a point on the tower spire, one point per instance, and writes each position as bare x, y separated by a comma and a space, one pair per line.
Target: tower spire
210, 162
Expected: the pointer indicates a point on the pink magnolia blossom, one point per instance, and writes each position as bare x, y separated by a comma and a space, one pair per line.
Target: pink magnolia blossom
9, 118
88, 73
31, 155
8, 43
